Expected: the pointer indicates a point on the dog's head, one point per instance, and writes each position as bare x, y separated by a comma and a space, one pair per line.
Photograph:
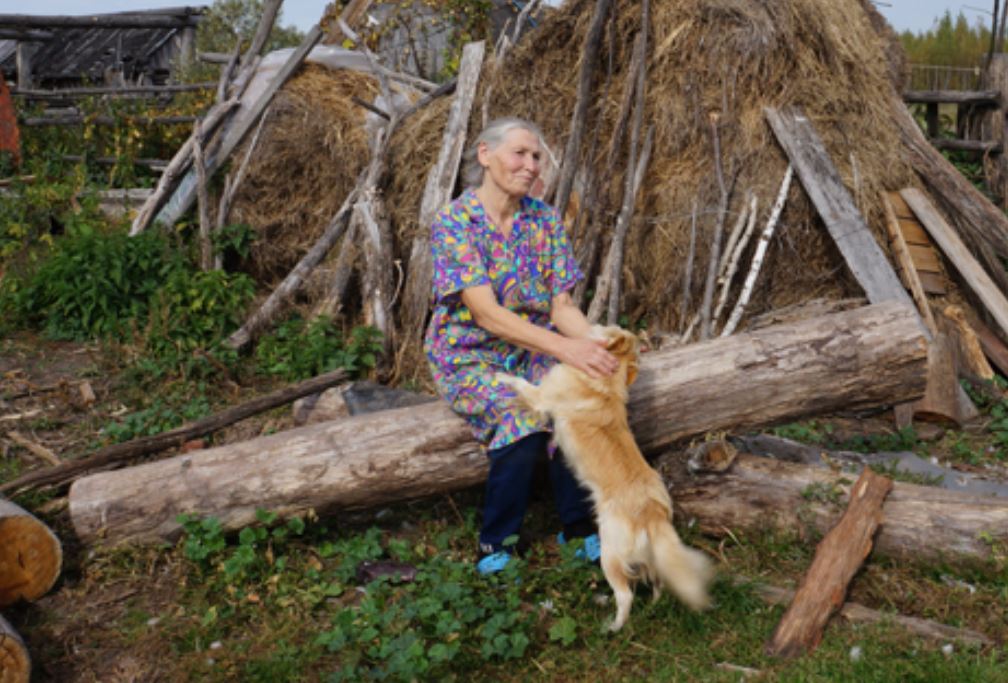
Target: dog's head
622, 344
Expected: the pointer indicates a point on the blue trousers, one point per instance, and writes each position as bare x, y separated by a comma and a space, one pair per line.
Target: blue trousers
510, 483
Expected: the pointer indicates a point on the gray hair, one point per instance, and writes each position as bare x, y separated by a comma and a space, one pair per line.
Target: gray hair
492, 135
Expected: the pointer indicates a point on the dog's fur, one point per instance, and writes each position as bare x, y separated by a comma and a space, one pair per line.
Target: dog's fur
632, 505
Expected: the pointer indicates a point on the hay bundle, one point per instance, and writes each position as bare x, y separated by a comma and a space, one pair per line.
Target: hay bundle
708, 60
312, 148
726, 59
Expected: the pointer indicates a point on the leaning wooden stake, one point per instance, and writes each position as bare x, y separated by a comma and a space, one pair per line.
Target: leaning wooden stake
905, 261
589, 57
438, 191
116, 454
733, 254
715, 245
30, 555
15, 664
838, 557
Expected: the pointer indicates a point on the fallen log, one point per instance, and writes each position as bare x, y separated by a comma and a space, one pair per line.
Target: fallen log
30, 555
120, 452
757, 494
15, 664
870, 356
837, 558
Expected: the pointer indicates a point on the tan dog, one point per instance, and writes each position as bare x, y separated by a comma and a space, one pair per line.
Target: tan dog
632, 505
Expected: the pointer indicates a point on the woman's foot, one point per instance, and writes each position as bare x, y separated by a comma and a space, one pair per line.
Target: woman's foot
493, 563
590, 550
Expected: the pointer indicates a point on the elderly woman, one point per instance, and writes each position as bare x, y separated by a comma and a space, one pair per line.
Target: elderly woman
503, 271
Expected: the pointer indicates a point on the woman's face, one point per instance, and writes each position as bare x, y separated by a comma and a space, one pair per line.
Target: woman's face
513, 165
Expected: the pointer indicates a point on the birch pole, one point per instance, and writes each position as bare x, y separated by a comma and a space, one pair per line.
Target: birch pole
761, 248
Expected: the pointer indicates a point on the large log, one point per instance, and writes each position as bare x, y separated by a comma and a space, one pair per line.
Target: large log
15, 664
870, 356
838, 557
30, 555
757, 494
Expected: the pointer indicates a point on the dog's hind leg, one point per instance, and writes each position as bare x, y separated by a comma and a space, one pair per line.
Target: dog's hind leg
618, 580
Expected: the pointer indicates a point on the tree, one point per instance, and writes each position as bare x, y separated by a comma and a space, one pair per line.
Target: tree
227, 20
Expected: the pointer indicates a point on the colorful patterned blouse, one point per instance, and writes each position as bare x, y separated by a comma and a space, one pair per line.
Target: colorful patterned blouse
525, 272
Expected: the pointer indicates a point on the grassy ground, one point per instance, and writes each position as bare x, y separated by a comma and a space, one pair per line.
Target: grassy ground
285, 602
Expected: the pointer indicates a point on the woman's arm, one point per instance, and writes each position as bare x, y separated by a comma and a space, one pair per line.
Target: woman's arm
572, 347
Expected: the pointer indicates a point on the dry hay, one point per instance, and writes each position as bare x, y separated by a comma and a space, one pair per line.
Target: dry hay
728, 58
311, 150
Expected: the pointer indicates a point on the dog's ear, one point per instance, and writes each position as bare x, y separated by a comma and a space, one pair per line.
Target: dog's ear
631, 372
620, 342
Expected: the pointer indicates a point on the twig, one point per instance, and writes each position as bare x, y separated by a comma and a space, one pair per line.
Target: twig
370, 107
34, 448
715, 253
227, 71
761, 248
690, 255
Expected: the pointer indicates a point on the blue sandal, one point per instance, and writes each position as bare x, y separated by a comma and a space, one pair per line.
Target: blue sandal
591, 549
493, 563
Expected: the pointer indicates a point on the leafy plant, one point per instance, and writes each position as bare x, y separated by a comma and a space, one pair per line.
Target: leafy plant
192, 313
93, 283
298, 350
159, 417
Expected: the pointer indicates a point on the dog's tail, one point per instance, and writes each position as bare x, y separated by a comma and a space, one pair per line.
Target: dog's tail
683, 570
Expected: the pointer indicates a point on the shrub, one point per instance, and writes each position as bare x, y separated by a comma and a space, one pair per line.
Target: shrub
298, 350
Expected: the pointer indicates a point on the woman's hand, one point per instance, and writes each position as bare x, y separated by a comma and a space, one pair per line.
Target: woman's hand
589, 356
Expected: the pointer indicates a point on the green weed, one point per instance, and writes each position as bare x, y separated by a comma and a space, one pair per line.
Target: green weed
298, 350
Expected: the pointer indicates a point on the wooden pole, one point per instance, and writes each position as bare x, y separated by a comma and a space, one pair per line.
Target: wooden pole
586, 74
23, 62
113, 455
837, 558
864, 357
30, 555
189, 17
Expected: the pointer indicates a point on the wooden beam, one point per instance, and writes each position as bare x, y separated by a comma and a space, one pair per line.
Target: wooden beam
844, 222
39, 121
73, 93
24, 35
837, 558
956, 252
982, 97
125, 20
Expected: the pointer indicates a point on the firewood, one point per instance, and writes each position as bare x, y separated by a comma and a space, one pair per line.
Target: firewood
838, 557
969, 356
768, 376
117, 453
30, 555
15, 664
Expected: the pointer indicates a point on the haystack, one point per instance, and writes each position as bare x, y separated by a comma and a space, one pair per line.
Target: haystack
712, 67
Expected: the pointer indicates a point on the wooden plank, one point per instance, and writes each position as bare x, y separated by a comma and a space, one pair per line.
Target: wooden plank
954, 249
68, 93
177, 19
988, 97
439, 188
900, 206
993, 347
933, 283
913, 231
908, 270
185, 194
981, 146
837, 558
924, 258
844, 222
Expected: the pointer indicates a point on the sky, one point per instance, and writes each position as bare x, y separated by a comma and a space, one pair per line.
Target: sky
913, 15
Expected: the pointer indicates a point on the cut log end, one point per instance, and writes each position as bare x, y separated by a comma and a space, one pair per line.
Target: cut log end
15, 664
30, 557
